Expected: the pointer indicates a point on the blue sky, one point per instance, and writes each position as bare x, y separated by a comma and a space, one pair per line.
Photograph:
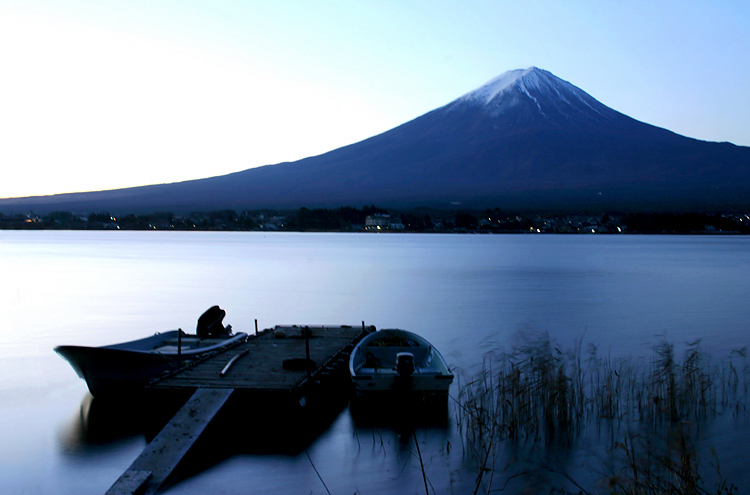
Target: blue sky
100, 94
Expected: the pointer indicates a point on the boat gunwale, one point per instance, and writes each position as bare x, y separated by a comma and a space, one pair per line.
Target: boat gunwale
157, 338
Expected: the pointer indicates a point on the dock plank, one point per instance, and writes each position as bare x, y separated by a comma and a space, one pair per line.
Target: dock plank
148, 473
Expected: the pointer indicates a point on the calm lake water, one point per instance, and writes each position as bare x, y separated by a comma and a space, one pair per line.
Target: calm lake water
467, 294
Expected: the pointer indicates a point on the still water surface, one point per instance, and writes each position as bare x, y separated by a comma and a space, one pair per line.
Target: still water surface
467, 294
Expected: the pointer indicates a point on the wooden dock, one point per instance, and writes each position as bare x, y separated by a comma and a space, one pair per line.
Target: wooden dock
259, 363
290, 367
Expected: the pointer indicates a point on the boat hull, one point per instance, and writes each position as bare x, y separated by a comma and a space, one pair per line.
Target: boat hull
428, 386
374, 368
114, 371
127, 368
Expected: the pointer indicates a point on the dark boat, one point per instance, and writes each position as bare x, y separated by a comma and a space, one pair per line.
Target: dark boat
391, 362
127, 367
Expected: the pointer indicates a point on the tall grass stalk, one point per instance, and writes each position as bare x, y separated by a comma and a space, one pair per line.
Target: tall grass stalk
545, 395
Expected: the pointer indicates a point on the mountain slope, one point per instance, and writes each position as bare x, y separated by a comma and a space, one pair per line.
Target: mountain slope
526, 139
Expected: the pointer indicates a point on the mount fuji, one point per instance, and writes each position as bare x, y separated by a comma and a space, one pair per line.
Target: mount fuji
525, 140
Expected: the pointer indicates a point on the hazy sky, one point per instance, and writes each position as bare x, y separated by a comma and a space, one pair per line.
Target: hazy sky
99, 94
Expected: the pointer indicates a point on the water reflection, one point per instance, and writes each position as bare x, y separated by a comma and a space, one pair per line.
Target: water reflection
99, 423
247, 425
251, 429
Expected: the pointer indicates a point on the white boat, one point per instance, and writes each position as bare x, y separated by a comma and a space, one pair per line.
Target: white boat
127, 367
394, 361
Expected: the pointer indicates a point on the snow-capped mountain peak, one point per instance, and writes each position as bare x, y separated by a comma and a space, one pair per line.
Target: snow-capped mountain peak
497, 86
539, 92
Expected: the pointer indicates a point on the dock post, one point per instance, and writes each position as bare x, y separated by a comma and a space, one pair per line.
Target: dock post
256, 326
307, 351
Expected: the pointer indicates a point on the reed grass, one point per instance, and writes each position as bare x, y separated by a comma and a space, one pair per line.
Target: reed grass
542, 395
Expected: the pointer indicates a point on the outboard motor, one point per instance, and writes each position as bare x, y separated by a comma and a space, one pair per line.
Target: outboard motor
405, 363
210, 323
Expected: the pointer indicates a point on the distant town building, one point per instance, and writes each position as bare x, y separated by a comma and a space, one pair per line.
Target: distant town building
377, 222
381, 221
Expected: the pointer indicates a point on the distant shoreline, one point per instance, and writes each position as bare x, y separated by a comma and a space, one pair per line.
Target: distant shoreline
375, 219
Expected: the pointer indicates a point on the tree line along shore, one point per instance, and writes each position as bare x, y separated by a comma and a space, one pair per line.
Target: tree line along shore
373, 218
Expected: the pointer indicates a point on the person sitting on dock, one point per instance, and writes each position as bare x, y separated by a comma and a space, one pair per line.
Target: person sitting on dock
210, 323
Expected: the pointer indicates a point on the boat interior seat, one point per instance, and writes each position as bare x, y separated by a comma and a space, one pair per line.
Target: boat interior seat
392, 371
385, 357
378, 371
170, 349
185, 341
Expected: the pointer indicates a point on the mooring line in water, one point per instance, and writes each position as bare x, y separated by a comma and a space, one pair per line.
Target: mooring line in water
316, 472
421, 464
